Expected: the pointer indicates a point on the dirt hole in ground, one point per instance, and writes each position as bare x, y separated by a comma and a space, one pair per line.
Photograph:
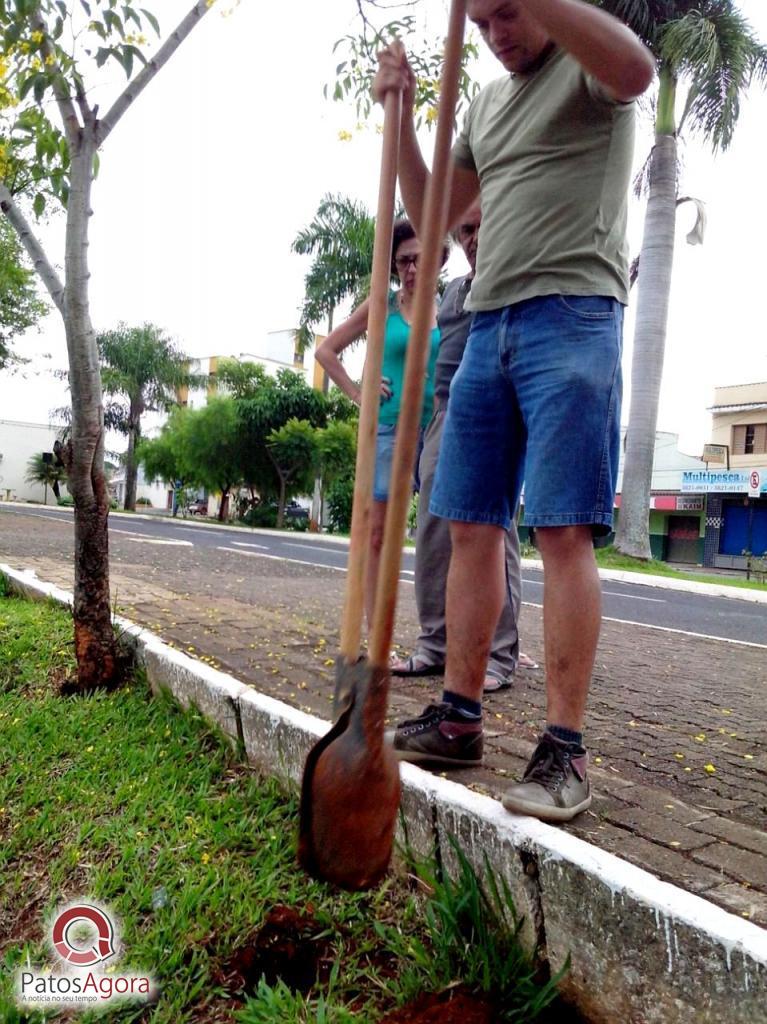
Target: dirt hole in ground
456, 1005
289, 946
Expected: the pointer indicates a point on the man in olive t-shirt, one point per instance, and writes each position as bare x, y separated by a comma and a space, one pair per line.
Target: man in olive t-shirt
537, 396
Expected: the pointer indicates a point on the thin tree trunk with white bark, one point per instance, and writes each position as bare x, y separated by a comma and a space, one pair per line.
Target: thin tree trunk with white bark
95, 643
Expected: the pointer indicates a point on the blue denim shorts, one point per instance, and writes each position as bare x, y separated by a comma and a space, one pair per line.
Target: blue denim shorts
385, 439
536, 399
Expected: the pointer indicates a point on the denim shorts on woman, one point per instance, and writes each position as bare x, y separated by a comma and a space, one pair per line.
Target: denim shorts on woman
385, 439
536, 399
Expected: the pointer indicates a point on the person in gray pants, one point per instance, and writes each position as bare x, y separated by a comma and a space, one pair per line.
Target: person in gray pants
433, 546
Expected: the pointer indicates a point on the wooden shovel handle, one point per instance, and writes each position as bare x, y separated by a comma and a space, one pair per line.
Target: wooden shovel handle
354, 604
432, 238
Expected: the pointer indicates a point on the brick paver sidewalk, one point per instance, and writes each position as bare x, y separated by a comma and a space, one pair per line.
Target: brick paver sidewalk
677, 726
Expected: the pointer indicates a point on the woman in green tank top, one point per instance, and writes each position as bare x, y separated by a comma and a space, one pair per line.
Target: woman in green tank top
406, 250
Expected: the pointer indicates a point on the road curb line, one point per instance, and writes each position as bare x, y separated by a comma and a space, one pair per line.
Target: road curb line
641, 950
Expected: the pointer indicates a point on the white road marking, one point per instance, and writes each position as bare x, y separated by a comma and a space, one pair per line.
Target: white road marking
314, 547
611, 593
281, 558
244, 544
294, 561
168, 543
669, 629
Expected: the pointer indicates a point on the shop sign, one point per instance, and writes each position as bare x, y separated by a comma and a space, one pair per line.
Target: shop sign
691, 504
726, 481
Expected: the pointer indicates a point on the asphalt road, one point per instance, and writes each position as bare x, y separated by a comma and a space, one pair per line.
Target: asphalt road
723, 618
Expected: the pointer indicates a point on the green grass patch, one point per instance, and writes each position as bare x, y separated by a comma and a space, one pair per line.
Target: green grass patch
131, 802
609, 558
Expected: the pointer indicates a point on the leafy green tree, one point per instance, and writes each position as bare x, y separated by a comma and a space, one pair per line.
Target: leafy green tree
707, 57
354, 75
294, 452
49, 51
268, 408
20, 307
163, 456
45, 468
143, 370
211, 449
240, 380
337, 452
340, 407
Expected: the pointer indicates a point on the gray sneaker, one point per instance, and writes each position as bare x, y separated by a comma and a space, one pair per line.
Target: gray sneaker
440, 735
554, 786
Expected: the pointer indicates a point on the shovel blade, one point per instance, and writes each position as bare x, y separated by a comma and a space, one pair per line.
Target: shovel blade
350, 791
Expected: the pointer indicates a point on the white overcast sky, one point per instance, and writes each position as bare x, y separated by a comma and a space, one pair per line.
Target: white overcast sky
209, 176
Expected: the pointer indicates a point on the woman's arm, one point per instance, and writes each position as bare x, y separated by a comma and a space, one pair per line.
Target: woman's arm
340, 338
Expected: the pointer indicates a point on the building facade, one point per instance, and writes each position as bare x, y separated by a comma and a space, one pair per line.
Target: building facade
735, 477
19, 442
677, 518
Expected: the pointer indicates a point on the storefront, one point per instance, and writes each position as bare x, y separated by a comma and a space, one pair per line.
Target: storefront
736, 514
677, 527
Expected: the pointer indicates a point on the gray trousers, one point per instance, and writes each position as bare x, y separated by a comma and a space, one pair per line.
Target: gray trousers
432, 559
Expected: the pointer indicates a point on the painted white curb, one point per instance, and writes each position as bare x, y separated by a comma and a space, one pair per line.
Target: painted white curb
641, 950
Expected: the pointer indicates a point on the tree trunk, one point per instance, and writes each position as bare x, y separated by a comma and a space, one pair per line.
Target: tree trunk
223, 507
656, 261
56, 491
281, 504
131, 466
95, 644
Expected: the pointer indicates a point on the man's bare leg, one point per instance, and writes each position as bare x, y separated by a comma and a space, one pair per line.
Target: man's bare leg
476, 586
572, 615
555, 786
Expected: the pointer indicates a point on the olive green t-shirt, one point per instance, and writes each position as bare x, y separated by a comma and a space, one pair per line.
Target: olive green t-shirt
553, 154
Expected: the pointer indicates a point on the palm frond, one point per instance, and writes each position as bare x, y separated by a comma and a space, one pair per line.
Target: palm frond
717, 50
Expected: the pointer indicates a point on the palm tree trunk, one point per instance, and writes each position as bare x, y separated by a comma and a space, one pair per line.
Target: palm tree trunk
131, 466
656, 261
95, 644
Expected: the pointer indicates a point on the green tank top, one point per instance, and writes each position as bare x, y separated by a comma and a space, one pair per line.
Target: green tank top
395, 350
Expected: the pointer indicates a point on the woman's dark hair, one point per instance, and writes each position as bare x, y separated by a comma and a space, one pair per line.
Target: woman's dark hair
403, 231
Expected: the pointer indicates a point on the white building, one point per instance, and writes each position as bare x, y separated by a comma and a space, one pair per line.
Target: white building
156, 493
19, 441
278, 352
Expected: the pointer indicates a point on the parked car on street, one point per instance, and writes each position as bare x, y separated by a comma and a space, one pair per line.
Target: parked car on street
198, 507
295, 511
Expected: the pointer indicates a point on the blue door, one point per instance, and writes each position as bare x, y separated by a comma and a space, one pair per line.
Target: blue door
759, 529
734, 536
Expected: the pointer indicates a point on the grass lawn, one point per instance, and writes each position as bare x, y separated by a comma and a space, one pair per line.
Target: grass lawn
131, 802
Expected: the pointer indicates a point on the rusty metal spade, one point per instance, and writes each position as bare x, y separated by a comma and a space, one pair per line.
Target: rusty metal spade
350, 789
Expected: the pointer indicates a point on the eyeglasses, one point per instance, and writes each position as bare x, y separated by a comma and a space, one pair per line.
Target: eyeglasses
403, 262
466, 230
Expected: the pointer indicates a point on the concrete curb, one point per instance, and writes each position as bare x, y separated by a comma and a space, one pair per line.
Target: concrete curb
642, 951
